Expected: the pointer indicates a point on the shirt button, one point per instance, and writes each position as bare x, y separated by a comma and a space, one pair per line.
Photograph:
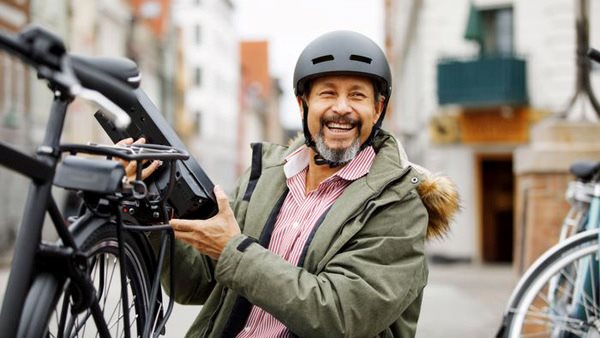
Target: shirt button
247, 328
295, 225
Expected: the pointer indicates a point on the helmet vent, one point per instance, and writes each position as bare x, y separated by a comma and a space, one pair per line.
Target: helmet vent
323, 58
360, 58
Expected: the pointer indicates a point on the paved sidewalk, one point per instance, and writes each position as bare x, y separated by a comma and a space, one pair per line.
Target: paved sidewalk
465, 300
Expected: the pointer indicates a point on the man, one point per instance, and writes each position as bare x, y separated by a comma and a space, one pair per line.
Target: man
324, 238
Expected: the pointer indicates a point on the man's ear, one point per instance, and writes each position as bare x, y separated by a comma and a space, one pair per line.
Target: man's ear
301, 109
379, 107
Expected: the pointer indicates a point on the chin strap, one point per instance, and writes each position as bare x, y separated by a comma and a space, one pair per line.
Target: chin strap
319, 160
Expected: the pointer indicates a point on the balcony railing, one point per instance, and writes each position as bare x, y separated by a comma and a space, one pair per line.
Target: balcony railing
482, 82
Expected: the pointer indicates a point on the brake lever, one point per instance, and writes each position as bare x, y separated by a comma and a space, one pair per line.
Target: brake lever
119, 116
66, 78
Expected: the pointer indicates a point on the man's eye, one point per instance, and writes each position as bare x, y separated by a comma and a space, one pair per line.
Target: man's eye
326, 93
358, 95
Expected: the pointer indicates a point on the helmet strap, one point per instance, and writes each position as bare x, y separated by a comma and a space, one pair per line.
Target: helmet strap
308, 140
376, 126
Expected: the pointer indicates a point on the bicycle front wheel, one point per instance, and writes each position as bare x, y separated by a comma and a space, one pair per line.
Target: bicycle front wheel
561, 300
51, 306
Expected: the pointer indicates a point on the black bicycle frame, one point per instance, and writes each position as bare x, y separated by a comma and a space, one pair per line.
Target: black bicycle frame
46, 53
41, 171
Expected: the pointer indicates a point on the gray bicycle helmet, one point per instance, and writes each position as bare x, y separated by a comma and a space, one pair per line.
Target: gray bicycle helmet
338, 53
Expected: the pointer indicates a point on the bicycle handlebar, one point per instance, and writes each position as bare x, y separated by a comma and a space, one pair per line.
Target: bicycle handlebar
47, 54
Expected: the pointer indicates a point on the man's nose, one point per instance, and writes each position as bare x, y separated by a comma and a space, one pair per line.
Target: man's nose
342, 105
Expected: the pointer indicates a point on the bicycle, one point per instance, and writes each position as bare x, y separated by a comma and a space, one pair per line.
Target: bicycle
67, 288
559, 295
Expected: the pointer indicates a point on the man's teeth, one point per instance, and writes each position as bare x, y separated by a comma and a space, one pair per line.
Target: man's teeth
344, 126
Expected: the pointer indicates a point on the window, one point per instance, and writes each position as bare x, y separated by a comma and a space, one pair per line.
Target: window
497, 37
492, 29
197, 34
198, 77
198, 122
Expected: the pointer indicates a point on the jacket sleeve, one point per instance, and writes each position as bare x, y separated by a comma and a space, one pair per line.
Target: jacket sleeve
360, 292
193, 273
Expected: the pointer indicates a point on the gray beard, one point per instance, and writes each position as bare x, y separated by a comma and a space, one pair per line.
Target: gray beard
336, 155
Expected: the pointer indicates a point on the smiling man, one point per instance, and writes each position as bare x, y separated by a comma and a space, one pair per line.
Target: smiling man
325, 237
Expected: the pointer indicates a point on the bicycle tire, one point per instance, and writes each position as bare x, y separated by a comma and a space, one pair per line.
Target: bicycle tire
536, 312
45, 310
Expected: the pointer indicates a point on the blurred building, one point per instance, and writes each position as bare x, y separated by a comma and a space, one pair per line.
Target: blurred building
211, 66
138, 29
15, 96
259, 102
471, 78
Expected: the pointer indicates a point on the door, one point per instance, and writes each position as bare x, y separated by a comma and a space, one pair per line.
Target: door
496, 207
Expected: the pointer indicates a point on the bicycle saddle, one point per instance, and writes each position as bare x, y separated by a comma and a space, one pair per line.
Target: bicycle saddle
122, 69
584, 169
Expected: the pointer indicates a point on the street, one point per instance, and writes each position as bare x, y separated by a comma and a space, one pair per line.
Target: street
465, 300
461, 300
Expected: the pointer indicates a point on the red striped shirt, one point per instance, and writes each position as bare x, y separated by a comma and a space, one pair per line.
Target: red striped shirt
296, 219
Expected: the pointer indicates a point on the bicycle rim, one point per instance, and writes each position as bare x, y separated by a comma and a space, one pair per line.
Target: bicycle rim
562, 301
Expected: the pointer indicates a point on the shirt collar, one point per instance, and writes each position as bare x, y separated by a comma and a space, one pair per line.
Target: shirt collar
357, 168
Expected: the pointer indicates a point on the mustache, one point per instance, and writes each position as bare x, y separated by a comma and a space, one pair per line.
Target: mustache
342, 120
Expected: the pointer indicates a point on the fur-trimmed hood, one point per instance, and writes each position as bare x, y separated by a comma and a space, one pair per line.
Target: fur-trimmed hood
442, 201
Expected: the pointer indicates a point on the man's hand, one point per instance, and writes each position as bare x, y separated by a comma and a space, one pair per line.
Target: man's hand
209, 236
131, 166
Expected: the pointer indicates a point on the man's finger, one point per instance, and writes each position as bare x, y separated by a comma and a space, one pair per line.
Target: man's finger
122, 143
131, 169
222, 200
125, 142
150, 169
140, 140
185, 225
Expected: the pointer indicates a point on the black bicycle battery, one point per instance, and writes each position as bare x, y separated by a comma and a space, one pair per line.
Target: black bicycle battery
192, 196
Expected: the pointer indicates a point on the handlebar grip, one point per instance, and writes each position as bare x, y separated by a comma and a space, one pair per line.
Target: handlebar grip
594, 54
12, 45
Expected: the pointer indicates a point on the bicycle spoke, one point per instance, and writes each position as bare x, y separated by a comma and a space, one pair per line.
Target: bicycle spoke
84, 324
116, 308
121, 316
587, 302
160, 307
109, 282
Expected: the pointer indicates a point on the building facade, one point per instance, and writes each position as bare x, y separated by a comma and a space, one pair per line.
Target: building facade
212, 75
259, 101
472, 78
117, 28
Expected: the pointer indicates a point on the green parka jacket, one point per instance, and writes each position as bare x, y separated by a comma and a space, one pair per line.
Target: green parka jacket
363, 270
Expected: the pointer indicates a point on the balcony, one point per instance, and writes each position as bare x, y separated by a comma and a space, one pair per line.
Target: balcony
483, 82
